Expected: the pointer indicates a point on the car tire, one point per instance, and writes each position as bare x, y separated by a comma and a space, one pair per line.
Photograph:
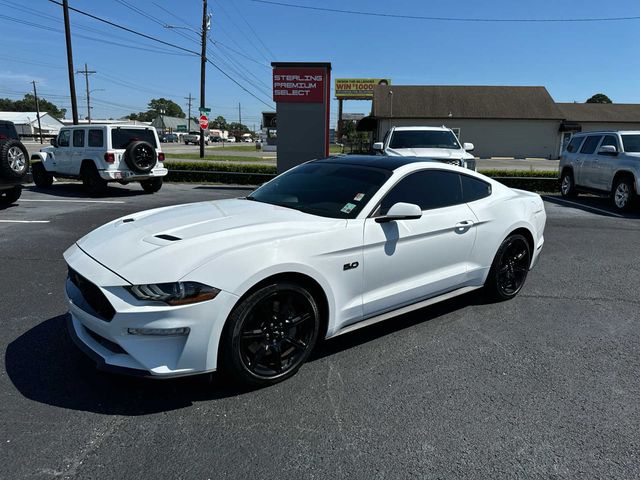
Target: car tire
93, 183
623, 194
509, 269
568, 185
41, 177
11, 195
14, 160
269, 335
140, 156
151, 185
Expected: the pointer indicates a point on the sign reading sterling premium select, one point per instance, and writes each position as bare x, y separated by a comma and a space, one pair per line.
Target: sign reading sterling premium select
299, 85
358, 88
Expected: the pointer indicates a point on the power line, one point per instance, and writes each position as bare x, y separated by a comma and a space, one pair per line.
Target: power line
252, 30
238, 84
449, 19
254, 45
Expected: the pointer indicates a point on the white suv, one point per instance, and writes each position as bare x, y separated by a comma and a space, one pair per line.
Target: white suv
438, 143
605, 163
98, 154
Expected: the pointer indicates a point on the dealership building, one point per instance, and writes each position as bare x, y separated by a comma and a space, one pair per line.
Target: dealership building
501, 121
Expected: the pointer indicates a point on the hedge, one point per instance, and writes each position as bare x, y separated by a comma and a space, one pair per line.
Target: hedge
533, 180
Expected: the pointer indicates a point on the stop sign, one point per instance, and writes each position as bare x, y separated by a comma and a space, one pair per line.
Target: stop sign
204, 122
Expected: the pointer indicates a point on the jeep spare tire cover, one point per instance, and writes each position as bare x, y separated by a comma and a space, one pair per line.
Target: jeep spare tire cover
14, 160
140, 156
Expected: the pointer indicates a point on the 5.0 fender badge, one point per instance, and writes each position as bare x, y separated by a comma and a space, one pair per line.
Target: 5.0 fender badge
350, 266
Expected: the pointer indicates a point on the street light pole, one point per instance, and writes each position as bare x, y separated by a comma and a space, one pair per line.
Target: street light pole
72, 82
203, 67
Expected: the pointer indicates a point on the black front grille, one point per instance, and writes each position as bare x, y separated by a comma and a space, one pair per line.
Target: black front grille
108, 344
93, 296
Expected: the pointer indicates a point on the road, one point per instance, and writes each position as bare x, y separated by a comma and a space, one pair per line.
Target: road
213, 150
543, 386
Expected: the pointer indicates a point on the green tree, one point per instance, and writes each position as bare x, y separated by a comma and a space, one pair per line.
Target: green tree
169, 107
28, 104
219, 123
599, 98
238, 128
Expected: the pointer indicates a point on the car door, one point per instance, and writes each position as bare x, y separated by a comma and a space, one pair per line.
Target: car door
587, 162
77, 151
62, 153
604, 166
406, 261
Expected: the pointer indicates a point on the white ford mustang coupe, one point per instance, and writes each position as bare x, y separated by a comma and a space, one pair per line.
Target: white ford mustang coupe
248, 285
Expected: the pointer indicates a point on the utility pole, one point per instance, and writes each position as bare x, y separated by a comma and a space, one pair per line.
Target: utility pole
239, 114
206, 22
190, 98
72, 82
35, 94
86, 74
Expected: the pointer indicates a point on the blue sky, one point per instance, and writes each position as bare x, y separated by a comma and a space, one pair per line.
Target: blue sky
573, 60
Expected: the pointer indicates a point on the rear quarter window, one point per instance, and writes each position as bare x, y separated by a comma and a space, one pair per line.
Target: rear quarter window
122, 137
96, 138
574, 144
8, 131
474, 189
590, 144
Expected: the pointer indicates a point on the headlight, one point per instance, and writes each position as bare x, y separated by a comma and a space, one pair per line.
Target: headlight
178, 293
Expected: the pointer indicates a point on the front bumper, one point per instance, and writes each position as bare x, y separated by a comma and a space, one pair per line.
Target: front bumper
129, 176
108, 343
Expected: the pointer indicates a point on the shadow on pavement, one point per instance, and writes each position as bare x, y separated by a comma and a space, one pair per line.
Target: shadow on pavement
593, 204
76, 190
45, 366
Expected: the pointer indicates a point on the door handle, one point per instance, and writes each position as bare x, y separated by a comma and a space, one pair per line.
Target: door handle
464, 224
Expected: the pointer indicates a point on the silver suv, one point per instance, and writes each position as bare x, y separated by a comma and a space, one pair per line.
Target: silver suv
605, 163
98, 154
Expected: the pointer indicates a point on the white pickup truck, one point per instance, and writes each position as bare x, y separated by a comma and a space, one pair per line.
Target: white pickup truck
194, 137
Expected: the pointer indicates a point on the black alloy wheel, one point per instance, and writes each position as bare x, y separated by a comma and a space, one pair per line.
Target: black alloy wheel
270, 335
509, 269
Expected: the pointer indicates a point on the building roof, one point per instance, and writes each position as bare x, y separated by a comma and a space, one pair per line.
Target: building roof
478, 102
24, 118
601, 112
165, 122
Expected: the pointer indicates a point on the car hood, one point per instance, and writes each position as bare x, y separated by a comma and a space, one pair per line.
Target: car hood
164, 245
438, 153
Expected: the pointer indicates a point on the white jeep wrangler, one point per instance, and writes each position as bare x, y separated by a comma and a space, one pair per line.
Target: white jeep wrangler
98, 154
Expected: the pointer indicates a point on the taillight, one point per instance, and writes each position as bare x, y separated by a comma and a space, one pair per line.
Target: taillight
161, 156
109, 157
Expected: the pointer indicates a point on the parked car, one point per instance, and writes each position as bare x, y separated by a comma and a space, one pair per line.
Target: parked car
98, 154
14, 164
605, 163
169, 138
248, 285
194, 137
438, 143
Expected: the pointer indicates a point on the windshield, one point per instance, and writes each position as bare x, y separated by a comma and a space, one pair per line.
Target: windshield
423, 139
631, 143
122, 137
327, 189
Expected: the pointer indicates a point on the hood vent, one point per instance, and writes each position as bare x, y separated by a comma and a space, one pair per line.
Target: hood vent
170, 238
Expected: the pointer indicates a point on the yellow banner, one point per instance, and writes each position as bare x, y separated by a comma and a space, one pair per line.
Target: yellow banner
358, 87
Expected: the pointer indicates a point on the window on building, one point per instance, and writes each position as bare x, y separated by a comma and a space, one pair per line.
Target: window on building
78, 138
590, 144
428, 189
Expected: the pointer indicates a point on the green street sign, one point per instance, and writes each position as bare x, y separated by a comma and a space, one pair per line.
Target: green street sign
205, 110
181, 128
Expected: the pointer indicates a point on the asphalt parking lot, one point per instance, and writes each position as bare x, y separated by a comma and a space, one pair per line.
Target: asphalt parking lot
544, 386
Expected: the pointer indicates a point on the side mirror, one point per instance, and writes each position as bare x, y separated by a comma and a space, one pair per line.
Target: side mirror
608, 150
54, 142
401, 211
468, 147
378, 146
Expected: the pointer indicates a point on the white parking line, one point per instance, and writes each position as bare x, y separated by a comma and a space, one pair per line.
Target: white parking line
580, 205
71, 201
24, 221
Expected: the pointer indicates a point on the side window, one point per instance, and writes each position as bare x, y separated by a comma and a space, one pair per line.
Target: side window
428, 189
63, 138
574, 144
610, 140
474, 189
590, 144
78, 138
96, 138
